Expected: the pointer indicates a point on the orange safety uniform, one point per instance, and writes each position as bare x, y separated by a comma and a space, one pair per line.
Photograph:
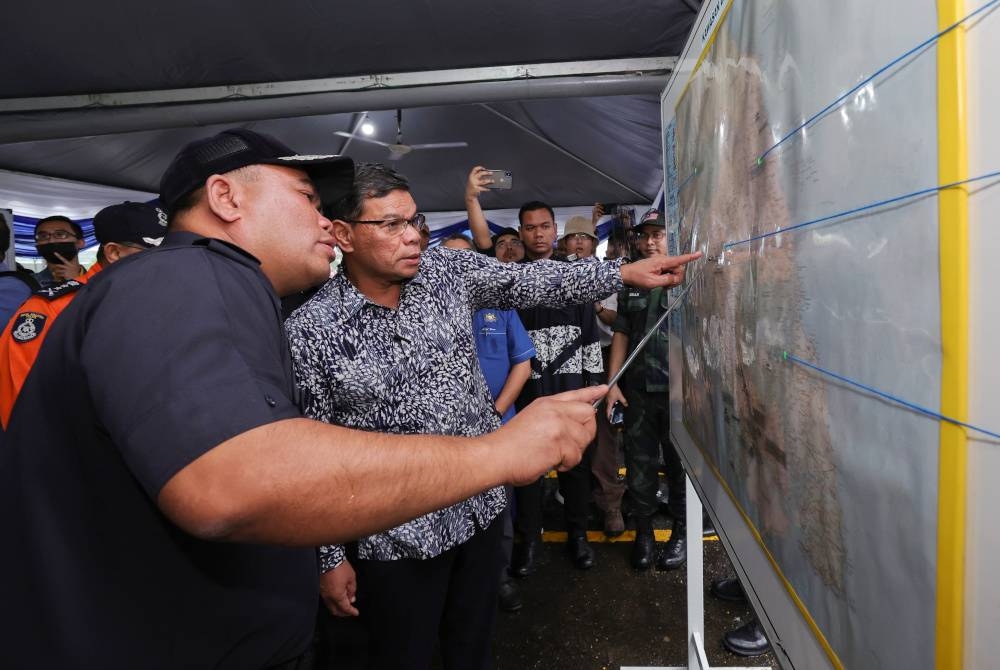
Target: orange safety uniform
22, 338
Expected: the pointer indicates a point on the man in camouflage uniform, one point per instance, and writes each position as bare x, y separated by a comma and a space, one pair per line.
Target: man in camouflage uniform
643, 392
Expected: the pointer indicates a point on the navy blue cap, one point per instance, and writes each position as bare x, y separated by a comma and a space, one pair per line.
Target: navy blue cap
233, 149
135, 222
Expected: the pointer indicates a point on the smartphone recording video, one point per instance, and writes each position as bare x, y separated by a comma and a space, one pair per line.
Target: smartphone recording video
502, 179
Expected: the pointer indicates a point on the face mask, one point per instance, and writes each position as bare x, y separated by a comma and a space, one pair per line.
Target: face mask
67, 250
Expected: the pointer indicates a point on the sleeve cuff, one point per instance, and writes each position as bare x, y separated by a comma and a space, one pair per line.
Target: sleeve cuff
331, 556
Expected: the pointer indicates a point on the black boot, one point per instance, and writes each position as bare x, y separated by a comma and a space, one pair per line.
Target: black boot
728, 589
522, 562
747, 640
580, 551
509, 596
675, 553
643, 550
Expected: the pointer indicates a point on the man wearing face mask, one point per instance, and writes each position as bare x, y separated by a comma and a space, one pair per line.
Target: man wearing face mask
58, 240
121, 230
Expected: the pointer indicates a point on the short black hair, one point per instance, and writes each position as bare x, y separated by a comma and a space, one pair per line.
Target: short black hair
371, 180
532, 206
77, 230
4, 236
185, 203
506, 231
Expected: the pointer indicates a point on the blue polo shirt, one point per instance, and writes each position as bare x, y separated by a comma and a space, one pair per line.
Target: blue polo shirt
501, 343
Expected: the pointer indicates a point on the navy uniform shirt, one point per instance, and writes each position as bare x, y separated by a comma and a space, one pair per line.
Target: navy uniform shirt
162, 357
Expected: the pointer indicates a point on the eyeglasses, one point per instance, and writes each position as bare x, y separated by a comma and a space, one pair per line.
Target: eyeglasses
57, 235
578, 236
654, 235
394, 227
512, 243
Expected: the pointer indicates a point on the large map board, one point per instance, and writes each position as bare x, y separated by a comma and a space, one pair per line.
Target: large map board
828, 495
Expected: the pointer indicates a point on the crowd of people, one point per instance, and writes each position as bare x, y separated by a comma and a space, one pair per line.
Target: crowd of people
187, 471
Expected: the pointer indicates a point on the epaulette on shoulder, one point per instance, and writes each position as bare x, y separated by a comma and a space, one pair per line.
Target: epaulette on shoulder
65, 288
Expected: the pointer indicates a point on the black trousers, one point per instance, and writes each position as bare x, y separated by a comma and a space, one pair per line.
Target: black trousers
507, 537
574, 484
647, 431
410, 604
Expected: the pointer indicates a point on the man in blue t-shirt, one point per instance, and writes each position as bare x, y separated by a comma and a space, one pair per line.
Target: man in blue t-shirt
505, 350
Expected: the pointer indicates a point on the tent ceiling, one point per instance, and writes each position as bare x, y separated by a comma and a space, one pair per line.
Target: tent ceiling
593, 143
108, 46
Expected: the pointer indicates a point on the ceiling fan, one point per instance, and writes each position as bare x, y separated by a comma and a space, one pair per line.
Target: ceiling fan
399, 149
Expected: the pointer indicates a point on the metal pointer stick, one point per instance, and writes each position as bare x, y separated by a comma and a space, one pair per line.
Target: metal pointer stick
638, 348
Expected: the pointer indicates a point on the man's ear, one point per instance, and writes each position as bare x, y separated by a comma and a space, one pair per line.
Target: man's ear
112, 252
223, 197
343, 233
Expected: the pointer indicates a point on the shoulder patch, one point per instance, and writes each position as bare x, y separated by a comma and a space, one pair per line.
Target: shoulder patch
65, 288
27, 326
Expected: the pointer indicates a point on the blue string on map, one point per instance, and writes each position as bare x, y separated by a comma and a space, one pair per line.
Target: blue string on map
864, 82
694, 173
856, 210
888, 396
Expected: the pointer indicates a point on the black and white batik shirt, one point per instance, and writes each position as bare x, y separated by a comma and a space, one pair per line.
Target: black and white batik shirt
567, 348
414, 369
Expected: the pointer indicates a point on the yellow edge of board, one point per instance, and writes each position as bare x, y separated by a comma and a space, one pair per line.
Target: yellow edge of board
953, 235
704, 51
831, 654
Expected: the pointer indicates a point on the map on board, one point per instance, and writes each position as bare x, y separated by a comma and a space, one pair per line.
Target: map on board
806, 459
746, 314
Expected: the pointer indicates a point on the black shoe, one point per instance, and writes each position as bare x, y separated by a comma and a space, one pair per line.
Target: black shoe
643, 550
523, 561
674, 555
728, 589
509, 596
747, 640
580, 551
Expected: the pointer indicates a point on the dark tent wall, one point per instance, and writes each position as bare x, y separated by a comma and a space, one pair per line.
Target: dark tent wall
107, 46
566, 98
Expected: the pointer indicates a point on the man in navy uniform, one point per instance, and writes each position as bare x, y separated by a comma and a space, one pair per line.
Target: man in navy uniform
167, 516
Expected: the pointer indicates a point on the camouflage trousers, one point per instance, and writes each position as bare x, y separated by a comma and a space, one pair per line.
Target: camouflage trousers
647, 431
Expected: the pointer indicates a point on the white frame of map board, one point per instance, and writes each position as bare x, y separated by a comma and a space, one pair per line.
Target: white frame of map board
982, 587
967, 589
